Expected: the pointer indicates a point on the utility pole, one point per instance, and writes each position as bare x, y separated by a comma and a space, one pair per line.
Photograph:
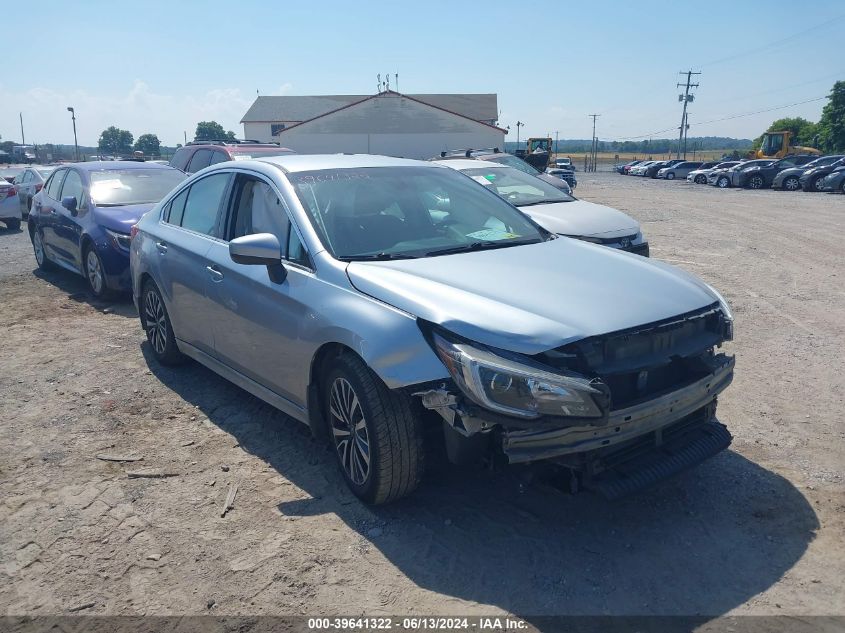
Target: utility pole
519, 124
686, 98
556, 148
75, 143
594, 145
23, 138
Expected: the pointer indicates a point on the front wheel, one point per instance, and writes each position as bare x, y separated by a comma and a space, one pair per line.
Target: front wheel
157, 325
95, 273
701, 180
842, 186
376, 434
13, 224
670, 176
815, 184
723, 182
791, 183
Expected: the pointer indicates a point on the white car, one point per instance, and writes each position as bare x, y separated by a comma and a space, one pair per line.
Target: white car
10, 206
554, 210
639, 170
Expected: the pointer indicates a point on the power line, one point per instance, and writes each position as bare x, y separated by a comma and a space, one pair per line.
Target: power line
727, 118
774, 43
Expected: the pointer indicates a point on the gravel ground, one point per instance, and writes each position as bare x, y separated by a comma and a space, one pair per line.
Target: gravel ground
757, 530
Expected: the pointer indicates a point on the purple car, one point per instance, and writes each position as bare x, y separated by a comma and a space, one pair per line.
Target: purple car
82, 218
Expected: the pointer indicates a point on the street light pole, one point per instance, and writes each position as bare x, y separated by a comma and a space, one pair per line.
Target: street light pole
75, 143
519, 124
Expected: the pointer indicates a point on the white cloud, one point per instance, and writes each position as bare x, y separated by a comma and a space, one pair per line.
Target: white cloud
140, 110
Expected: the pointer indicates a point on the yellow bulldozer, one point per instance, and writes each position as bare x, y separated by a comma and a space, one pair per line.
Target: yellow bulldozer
779, 144
537, 152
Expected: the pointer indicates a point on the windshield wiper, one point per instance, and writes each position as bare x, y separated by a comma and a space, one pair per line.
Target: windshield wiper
531, 204
376, 257
481, 246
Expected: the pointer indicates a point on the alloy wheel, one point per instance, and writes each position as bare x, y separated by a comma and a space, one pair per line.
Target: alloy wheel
817, 183
791, 184
722, 182
349, 430
95, 272
756, 182
155, 321
38, 247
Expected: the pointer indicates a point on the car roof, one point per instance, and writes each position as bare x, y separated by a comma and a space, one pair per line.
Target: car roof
311, 162
468, 163
115, 165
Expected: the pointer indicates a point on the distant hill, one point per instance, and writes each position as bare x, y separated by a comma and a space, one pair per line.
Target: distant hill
655, 145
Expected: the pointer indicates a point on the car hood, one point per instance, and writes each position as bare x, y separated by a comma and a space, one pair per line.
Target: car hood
582, 218
791, 171
532, 298
121, 219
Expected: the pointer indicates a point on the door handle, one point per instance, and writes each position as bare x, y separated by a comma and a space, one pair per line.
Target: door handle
216, 273
161, 247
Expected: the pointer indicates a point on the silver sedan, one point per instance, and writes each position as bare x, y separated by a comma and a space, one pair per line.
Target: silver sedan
372, 297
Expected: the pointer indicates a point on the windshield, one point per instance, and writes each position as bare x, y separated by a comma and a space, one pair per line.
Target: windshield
396, 212
516, 187
513, 161
44, 173
118, 187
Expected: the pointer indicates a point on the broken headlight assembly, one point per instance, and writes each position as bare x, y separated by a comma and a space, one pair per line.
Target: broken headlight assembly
513, 387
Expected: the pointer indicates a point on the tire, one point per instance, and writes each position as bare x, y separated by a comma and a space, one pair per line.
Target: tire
756, 182
701, 180
842, 186
156, 323
815, 185
723, 182
377, 436
94, 272
13, 224
44, 262
791, 183
670, 176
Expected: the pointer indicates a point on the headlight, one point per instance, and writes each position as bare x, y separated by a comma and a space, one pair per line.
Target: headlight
726, 310
514, 388
118, 240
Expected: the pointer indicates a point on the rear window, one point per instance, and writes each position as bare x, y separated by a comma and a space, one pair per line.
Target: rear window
118, 187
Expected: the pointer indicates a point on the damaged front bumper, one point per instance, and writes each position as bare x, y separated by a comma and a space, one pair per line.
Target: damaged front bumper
524, 445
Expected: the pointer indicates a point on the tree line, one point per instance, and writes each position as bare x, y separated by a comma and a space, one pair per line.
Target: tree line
115, 141
828, 134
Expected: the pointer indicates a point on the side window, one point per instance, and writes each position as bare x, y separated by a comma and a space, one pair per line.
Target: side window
27, 176
257, 209
55, 184
203, 203
218, 157
201, 159
180, 158
176, 208
296, 251
72, 186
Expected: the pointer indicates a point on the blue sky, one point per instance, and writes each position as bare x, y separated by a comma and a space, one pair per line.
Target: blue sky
160, 67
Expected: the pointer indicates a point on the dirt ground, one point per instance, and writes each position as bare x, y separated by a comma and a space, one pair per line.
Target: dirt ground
759, 529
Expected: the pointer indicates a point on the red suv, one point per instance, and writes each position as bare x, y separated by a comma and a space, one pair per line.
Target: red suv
199, 154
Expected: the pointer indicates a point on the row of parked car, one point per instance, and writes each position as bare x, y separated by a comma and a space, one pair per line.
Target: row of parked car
379, 299
792, 173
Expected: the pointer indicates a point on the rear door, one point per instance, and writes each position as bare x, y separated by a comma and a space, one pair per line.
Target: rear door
47, 209
188, 228
258, 322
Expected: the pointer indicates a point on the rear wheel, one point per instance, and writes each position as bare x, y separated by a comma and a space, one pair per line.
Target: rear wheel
41, 258
723, 182
156, 323
756, 182
376, 434
791, 183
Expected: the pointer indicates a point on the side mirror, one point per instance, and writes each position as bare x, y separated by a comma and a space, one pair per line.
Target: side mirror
69, 203
260, 249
